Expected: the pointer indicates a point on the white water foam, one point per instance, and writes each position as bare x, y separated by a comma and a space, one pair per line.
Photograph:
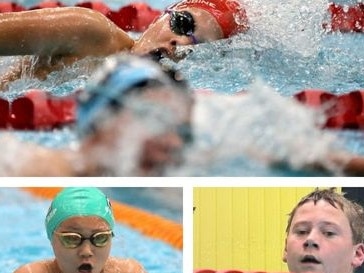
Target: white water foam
295, 24
260, 125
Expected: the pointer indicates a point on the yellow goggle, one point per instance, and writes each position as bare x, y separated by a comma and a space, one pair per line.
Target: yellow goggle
73, 239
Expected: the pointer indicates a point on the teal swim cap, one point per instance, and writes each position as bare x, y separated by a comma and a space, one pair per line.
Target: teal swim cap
72, 202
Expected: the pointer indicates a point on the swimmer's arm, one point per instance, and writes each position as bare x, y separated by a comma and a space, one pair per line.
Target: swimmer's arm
23, 269
341, 163
344, 163
34, 160
37, 267
67, 31
31, 268
352, 165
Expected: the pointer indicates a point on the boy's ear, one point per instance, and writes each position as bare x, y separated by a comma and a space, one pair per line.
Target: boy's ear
284, 258
358, 257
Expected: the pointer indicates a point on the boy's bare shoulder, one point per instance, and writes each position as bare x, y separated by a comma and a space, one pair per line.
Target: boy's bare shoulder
46, 266
120, 265
113, 265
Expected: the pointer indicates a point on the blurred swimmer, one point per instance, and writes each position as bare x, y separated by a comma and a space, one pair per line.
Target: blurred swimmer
133, 119
79, 225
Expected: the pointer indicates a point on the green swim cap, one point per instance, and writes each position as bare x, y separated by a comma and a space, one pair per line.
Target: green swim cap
72, 202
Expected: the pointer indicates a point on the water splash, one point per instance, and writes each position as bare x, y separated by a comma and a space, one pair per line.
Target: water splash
59, 83
261, 126
294, 24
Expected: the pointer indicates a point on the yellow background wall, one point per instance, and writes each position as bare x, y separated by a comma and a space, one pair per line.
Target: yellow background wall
242, 228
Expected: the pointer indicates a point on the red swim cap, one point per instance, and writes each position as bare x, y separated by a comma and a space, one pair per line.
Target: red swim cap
230, 14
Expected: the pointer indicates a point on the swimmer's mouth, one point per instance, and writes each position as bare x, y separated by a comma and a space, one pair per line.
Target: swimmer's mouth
310, 259
157, 54
160, 53
85, 268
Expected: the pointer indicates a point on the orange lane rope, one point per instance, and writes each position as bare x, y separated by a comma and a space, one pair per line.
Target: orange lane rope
149, 224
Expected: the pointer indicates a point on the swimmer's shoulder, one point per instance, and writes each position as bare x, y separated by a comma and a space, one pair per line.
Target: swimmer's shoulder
121, 265
46, 266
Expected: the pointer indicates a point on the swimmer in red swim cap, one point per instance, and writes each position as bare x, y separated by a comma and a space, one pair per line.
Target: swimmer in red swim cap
192, 22
67, 34
60, 36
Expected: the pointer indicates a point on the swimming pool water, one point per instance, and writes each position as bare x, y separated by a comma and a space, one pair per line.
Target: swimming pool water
166, 202
23, 237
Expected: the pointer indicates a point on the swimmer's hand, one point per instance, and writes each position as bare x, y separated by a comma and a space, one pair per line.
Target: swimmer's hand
337, 163
352, 165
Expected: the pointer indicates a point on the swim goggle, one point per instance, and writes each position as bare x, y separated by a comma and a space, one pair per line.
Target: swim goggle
73, 239
182, 23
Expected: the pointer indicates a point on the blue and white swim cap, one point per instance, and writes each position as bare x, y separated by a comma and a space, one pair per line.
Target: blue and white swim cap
72, 202
108, 86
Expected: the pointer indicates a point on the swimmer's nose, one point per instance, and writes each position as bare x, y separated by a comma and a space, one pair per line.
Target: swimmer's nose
85, 249
177, 41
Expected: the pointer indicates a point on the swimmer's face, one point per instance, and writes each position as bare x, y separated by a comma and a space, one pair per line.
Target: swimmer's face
320, 240
86, 256
148, 133
164, 148
159, 38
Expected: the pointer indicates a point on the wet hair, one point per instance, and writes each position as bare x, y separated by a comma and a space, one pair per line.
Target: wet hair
352, 210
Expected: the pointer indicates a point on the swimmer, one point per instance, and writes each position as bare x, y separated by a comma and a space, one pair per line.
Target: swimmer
129, 100
190, 22
129, 94
60, 36
324, 234
80, 227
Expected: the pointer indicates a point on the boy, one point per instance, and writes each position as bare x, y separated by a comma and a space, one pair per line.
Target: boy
324, 234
